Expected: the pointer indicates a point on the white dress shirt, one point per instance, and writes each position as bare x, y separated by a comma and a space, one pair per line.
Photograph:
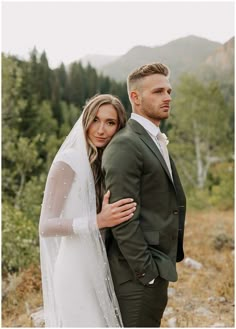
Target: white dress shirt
149, 126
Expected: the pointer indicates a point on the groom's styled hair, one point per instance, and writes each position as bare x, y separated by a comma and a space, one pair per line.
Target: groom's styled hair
144, 71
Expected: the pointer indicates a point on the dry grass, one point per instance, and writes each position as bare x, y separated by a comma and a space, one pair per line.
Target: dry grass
202, 298
21, 296
205, 297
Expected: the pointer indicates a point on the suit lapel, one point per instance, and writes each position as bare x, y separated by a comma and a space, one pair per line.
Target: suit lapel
144, 136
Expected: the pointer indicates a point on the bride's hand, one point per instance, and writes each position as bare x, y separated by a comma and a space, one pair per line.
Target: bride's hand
115, 213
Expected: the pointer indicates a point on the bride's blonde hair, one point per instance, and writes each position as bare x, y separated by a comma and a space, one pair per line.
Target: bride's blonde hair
95, 155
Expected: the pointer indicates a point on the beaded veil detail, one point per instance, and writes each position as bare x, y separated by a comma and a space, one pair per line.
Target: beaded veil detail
77, 284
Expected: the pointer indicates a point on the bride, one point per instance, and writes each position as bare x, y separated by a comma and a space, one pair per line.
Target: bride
77, 285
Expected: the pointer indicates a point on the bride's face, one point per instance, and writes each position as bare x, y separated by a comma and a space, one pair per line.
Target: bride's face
104, 126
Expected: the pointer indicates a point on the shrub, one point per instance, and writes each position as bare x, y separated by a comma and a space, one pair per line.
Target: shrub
32, 197
222, 194
218, 192
20, 243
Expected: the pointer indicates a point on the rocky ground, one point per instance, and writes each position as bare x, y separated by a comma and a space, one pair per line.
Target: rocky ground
204, 293
202, 297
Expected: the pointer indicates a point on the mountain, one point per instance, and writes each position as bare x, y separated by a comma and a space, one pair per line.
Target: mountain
220, 64
181, 55
97, 61
222, 55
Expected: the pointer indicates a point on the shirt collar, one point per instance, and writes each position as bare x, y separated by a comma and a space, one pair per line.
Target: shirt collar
147, 124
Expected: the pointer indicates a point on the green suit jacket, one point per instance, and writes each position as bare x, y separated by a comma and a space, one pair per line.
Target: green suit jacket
149, 244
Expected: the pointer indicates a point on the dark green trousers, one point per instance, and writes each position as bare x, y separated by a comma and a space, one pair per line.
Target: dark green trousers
142, 306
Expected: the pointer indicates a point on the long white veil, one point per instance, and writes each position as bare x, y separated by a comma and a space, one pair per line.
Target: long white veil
78, 201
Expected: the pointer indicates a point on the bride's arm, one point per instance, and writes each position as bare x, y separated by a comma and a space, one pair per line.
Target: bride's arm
58, 185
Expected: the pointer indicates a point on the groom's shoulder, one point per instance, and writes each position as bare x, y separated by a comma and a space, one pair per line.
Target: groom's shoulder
124, 141
124, 134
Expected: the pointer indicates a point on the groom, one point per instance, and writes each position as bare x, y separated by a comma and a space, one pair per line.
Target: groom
143, 251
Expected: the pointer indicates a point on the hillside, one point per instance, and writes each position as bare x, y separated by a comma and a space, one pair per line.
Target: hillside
181, 55
221, 56
220, 64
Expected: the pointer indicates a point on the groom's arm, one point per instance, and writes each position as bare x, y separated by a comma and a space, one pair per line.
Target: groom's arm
123, 165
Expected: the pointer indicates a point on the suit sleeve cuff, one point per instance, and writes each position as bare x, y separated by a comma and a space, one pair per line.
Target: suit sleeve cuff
146, 277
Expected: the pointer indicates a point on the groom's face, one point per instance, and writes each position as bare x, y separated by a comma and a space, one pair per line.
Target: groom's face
154, 98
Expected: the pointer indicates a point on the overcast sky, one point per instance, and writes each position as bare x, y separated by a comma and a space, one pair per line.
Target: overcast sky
68, 31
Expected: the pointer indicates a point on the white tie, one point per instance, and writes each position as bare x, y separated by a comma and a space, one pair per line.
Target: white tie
163, 148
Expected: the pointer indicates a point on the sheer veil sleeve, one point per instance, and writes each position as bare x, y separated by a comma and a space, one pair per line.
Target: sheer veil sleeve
58, 186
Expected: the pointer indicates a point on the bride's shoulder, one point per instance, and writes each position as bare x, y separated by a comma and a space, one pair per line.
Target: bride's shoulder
68, 158
66, 155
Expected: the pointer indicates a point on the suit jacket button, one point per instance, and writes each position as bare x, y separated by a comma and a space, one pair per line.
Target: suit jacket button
175, 212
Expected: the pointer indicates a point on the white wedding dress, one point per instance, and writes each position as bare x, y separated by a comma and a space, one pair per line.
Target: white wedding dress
77, 285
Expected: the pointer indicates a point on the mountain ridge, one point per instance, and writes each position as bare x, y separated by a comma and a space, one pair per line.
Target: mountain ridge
180, 55
185, 54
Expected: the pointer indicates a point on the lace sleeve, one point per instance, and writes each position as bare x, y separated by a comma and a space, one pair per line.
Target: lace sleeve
58, 186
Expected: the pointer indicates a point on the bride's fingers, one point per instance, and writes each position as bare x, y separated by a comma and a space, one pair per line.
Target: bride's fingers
106, 197
122, 202
127, 207
127, 212
117, 209
123, 214
124, 219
